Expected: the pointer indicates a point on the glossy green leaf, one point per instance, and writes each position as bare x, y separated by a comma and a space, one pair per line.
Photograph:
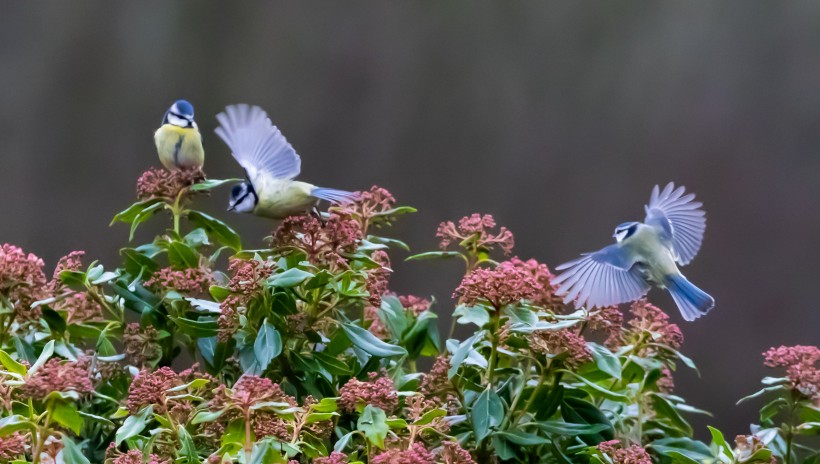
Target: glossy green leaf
132, 212
268, 345
487, 412
196, 328
368, 342
48, 350
373, 423
11, 365
65, 414
216, 229
605, 360
133, 425
182, 256
477, 315
209, 184
436, 255
290, 278
71, 452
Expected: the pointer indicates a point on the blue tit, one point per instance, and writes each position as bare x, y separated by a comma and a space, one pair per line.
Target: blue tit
270, 164
179, 143
646, 254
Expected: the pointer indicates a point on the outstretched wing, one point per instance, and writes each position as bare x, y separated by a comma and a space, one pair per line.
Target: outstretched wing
604, 278
678, 219
256, 143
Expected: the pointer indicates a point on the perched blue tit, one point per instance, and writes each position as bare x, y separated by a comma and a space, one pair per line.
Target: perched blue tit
270, 164
645, 254
179, 143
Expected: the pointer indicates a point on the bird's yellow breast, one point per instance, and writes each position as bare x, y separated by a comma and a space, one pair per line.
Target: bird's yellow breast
179, 147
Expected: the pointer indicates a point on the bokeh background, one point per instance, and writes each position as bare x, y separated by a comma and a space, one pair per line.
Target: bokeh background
556, 117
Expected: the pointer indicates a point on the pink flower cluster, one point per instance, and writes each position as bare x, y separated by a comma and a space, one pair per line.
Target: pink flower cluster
416, 454
191, 281
59, 376
648, 319
161, 183
148, 388
370, 208
453, 453
21, 276
135, 457
248, 276
378, 279
475, 233
801, 366
545, 296
12, 447
141, 345
70, 262
504, 284
334, 458
414, 304
324, 243
634, 454
378, 391
559, 343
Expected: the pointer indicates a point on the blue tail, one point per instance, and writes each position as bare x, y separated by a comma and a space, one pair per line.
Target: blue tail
333, 195
692, 301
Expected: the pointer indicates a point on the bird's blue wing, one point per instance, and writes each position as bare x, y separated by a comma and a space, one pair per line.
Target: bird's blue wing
256, 143
678, 219
604, 278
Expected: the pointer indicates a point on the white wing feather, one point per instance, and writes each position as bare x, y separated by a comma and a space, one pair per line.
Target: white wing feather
256, 143
679, 220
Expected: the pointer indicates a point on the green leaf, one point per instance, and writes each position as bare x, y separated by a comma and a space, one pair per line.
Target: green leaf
217, 229
665, 410
373, 422
188, 450
720, 442
436, 255
65, 414
268, 344
393, 315
477, 315
182, 256
388, 242
290, 278
761, 392
332, 364
487, 412
196, 238
461, 352
71, 452
343, 442
692, 449
196, 328
55, 322
567, 428
368, 342
327, 404
48, 350
209, 184
519, 437
606, 393
605, 360
15, 423
143, 216
11, 365
207, 416
133, 425
132, 212
320, 416
429, 416
578, 411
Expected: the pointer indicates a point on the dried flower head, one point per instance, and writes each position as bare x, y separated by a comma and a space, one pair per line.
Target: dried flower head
334, 458
371, 208
453, 453
194, 281
648, 324
545, 296
416, 454
148, 388
377, 326
378, 279
136, 457
666, 383
80, 307
475, 233
142, 348
504, 284
747, 445
248, 276
12, 447
252, 389
70, 262
161, 183
414, 304
228, 320
377, 391
608, 319
59, 376
436, 381
324, 243
801, 363
21, 277
634, 454
563, 344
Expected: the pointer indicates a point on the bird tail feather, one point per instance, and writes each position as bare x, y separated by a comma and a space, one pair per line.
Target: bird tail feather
692, 301
333, 195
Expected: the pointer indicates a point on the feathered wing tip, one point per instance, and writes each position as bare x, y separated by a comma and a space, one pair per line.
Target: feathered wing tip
334, 196
679, 215
692, 301
256, 143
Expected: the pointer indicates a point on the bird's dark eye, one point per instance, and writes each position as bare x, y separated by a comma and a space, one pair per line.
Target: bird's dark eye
630, 231
237, 190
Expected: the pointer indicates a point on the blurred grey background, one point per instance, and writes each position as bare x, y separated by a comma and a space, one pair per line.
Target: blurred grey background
558, 118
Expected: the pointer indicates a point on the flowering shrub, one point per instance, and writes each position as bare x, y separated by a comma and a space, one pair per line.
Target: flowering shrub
196, 350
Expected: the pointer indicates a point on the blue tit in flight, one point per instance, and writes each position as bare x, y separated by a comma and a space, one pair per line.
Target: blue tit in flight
270, 164
646, 254
179, 143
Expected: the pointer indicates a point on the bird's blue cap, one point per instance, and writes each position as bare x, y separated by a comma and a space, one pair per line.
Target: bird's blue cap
183, 108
